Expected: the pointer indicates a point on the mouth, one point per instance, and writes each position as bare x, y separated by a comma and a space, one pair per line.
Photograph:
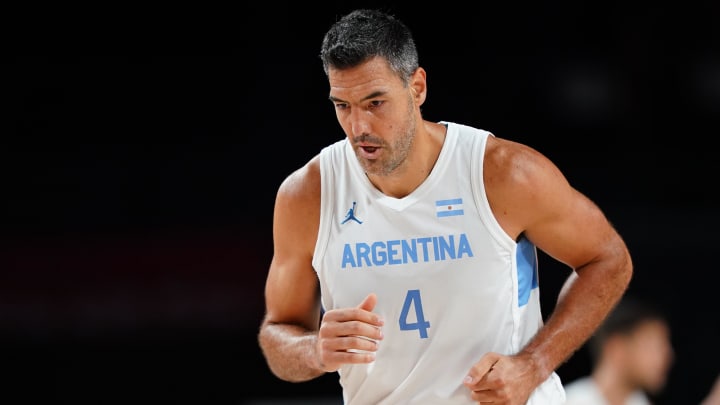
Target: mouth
368, 151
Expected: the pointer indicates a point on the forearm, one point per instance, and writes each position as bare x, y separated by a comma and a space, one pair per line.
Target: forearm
290, 351
582, 306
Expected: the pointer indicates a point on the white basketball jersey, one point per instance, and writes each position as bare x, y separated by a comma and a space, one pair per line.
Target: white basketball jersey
451, 284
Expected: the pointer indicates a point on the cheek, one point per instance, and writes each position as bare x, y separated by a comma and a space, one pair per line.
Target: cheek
341, 116
653, 354
344, 122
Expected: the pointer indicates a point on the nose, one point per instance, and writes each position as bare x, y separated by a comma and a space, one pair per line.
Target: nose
359, 123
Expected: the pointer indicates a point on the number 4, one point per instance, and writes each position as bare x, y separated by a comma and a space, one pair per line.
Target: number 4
413, 299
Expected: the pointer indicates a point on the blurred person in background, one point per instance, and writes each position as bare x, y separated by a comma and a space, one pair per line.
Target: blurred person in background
713, 397
631, 356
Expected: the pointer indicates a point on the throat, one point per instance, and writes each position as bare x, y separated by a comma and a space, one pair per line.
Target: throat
397, 186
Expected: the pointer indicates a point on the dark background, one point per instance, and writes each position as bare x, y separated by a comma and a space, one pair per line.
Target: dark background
141, 150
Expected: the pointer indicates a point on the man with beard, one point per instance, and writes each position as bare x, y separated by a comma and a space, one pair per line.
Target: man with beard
405, 254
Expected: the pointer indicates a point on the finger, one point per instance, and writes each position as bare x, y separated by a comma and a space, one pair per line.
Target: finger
481, 368
362, 313
355, 344
368, 304
365, 309
351, 356
352, 329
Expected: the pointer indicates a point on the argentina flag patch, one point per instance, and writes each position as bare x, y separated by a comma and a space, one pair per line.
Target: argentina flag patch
449, 208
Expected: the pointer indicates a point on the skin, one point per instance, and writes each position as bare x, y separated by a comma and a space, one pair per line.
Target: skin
651, 355
398, 148
713, 397
639, 360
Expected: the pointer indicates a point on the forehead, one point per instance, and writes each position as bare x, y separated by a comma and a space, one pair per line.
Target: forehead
651, 329
372, 76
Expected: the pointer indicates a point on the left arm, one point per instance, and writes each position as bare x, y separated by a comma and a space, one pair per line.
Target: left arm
529, 195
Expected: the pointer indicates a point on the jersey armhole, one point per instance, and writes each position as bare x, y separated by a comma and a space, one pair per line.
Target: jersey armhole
326, 205
482, 203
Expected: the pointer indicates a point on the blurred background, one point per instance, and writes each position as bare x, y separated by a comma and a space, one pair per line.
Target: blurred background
141, 150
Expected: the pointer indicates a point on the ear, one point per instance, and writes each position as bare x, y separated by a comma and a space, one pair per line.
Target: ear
418, 85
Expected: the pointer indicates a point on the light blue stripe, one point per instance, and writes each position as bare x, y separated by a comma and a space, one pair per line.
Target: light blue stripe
448, 202
526, 270
450, 213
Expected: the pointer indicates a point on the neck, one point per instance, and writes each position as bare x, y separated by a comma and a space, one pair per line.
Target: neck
613, 385
418, 165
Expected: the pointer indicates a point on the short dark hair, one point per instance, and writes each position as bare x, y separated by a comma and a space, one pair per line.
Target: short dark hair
363, 34
629, 313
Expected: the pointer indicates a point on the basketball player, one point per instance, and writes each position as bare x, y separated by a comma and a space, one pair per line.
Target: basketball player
405, 254
631, 354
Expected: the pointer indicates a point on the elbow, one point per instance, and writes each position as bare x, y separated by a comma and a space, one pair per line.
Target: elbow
627, 268
624, 269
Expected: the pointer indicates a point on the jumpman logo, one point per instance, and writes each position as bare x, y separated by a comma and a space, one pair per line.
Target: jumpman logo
351, 215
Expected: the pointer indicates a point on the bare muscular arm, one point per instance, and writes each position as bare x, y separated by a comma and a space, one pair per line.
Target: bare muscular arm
531, 197
288, 332
297, 343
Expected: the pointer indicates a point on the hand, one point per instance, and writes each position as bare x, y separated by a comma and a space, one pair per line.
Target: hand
349, 335
498, 379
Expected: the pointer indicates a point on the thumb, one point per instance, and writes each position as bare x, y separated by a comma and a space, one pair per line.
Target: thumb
369, 302
481, 368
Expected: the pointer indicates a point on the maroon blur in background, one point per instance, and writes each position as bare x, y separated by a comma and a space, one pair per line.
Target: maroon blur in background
141, 154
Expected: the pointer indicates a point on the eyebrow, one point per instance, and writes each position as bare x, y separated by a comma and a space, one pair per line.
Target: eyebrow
368, 97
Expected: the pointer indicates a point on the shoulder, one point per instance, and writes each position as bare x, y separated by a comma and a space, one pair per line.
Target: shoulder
582, 392
507, 160
581, 384
303, 184
522, 185
296, 215
639, 398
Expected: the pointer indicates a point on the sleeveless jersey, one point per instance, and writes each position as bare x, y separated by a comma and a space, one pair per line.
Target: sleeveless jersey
451, 285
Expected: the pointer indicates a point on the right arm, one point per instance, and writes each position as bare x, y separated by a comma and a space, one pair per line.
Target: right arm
296, 343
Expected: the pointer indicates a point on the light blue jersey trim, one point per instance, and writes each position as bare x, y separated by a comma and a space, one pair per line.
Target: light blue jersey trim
526, 270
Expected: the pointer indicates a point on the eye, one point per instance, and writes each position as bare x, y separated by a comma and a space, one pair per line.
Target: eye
341, 106
376, 103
